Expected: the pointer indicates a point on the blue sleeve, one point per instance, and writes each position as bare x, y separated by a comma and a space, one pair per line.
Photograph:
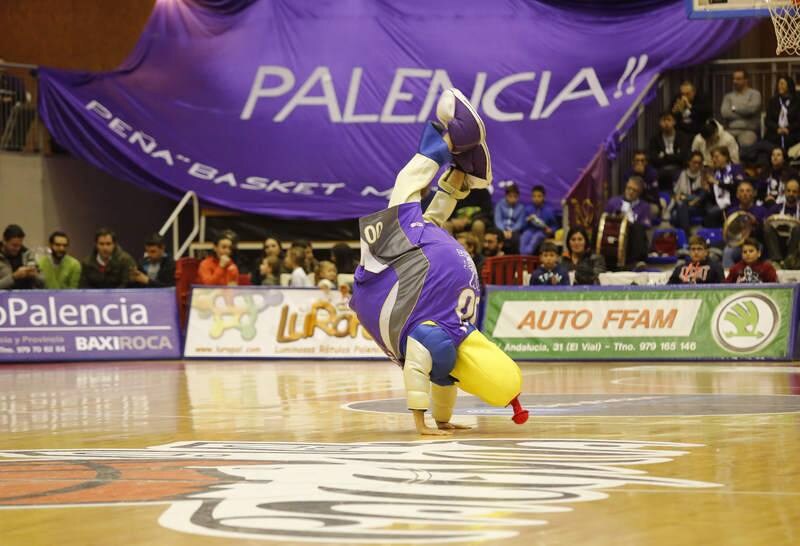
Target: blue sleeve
498, 216
519, 218
535, 277
550, 218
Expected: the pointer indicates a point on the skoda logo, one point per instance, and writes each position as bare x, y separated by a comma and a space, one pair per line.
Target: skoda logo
744, 323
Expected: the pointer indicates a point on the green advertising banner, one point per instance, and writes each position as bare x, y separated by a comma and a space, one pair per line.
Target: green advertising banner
642, 322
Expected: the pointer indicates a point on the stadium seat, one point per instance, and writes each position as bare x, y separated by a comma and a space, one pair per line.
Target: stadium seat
713, 236
680, 242
508, 270
185, 276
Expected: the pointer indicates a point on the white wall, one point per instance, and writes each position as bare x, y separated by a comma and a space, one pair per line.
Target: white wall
43, 194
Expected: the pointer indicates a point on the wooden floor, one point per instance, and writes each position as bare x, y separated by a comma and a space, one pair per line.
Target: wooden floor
227, 453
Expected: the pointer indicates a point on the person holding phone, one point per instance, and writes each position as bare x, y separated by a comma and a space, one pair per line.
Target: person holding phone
18, 269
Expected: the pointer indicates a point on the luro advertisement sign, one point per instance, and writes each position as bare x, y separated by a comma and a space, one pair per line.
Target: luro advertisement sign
264, 322
637, 323
57, 325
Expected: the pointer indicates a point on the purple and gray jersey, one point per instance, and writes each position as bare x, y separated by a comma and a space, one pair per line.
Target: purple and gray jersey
412, 271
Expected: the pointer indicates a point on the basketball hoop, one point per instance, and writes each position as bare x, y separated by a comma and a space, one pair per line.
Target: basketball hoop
786, 19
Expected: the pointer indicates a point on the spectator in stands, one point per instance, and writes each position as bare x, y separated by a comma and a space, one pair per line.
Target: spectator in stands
724, 181
638, 215
700, 269
326, 274
342, 256
714, 136
308, 263
473, 213
752, 270
493, 243
772, 187
783, 115
746, 202
579, 257
18, 269
772, 240
311, 263
108, 266
690, 110
272, 249
540, 222
156, 269
219, 269
549, 272
741, 110
668, 151
269, 271
689, 194
59, 269
470, 244
641, 169
509, 216
294, 262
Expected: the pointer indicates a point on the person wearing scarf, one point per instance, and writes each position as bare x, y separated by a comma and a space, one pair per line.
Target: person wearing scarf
783, 115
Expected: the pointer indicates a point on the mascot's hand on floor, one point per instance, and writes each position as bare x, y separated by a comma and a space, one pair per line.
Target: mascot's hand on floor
425, 430
451, 426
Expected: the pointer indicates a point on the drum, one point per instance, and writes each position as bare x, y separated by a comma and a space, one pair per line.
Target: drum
738, 227
612, 235
782, 224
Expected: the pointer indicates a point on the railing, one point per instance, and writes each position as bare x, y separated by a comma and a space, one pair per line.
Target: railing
20, 128
173, 222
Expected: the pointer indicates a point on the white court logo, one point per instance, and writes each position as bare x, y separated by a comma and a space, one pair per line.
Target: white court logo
372, 492
745, 323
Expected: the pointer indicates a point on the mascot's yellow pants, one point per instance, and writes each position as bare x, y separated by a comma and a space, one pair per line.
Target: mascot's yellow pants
485, 371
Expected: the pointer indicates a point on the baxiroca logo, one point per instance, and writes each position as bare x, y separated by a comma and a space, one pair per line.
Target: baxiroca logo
745, 323
370, 492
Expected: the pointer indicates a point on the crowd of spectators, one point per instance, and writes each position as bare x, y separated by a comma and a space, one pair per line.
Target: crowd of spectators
697, 172
110, 266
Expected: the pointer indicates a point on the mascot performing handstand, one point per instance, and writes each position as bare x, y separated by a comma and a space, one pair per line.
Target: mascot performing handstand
416, 289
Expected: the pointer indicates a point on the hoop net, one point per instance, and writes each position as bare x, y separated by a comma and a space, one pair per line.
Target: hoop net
786, 20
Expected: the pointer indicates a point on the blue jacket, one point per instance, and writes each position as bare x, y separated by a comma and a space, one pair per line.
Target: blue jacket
506, 217
545, 213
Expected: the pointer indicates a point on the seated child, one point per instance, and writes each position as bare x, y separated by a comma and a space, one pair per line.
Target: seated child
549, 272
540, 223
751, 269
270, 270
295, 258
700, 270
326, 274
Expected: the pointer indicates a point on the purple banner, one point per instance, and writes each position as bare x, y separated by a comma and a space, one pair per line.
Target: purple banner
60, 325
307, 109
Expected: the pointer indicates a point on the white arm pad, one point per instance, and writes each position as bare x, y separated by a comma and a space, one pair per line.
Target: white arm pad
412, 179
443, 399
417, 375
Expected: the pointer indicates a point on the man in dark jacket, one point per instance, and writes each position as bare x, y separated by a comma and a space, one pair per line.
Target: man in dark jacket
18, 269
108, 266
156, 268
668, 151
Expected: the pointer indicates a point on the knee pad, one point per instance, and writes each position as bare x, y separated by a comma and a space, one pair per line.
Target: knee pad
484, 370
441, 348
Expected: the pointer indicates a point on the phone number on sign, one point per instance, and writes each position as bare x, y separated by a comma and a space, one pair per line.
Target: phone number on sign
625, 346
